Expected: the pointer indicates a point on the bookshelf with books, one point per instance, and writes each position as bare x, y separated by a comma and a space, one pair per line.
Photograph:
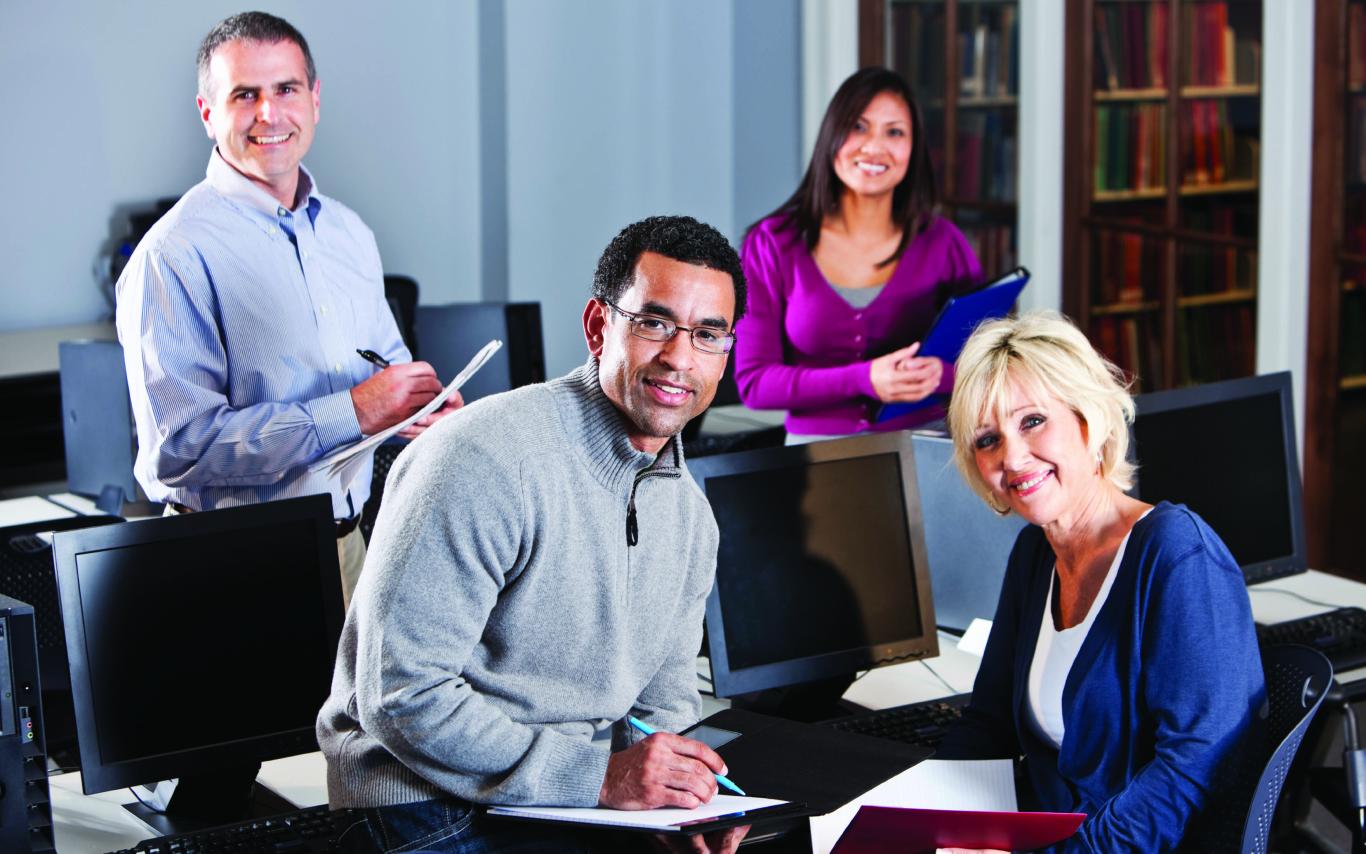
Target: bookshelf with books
1160, 231
977, 174
1335, 387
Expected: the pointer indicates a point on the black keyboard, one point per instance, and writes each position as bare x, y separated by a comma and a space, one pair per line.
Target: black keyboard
309, 831
1340, 635
917, 723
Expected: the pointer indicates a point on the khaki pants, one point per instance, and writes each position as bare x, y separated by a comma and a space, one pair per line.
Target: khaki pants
351, 557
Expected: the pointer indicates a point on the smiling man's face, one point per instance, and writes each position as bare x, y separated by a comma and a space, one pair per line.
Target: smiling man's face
261, 112
661, 385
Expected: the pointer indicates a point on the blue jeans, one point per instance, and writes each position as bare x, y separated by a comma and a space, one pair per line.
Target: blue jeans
453, 826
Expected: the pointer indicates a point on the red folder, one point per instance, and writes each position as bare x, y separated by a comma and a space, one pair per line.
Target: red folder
880, 829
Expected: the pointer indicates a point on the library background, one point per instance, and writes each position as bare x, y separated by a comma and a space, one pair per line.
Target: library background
1163, 107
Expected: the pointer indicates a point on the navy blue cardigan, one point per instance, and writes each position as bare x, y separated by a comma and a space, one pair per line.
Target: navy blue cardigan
1164, 699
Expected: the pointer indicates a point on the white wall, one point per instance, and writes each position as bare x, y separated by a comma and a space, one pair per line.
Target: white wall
101, 117
621, 109
494, 146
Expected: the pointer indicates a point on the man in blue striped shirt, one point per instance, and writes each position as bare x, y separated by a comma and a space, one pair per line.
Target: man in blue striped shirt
242, 310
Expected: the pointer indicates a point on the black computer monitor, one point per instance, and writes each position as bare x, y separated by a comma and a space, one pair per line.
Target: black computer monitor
821, 569
966, 542
448, 336
200, 645
1227, 450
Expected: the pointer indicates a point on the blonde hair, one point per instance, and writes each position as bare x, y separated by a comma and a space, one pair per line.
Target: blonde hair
1042, 349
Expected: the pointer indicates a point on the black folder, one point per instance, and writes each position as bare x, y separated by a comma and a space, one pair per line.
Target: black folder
807, 763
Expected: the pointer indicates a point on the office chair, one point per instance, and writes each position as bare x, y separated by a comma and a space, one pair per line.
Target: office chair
401, 294
384, 460
1297, 680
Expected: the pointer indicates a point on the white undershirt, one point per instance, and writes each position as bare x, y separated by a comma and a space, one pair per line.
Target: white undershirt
1054, 654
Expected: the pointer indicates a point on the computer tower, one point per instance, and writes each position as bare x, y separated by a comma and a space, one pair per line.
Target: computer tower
25, 808
97, 424
449, 335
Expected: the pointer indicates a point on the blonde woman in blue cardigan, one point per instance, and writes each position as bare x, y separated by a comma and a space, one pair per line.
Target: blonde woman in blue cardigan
1122, 664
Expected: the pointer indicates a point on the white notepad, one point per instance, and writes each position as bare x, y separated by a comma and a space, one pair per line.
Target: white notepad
344, 462
663, 819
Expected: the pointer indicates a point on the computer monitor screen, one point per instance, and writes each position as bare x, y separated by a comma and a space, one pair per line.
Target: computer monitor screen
821, 567
449, 335
1227, 450
966, 542
200, 642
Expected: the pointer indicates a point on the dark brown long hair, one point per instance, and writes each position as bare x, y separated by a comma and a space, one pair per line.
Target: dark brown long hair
818, 195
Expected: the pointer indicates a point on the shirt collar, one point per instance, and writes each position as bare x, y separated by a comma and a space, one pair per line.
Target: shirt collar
601, 429
237, 187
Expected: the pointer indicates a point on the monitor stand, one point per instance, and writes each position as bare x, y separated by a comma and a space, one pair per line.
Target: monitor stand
215, 798
807, 702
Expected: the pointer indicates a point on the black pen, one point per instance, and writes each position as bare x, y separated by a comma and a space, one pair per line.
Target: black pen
373, 358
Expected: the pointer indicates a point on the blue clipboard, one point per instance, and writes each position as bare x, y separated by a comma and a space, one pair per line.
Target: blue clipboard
955, 322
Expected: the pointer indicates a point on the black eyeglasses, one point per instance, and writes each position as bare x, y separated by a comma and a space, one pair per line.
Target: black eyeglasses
705, 339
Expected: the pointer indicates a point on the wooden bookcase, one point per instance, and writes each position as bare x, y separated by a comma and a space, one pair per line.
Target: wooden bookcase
1335, 387
1162, 136
977, 174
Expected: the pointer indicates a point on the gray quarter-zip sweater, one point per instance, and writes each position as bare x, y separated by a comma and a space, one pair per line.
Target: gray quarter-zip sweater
503, 620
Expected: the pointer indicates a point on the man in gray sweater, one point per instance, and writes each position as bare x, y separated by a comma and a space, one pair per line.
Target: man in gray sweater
538, 572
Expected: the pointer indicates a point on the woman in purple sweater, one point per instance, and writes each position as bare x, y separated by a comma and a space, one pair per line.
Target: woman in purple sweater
846, 277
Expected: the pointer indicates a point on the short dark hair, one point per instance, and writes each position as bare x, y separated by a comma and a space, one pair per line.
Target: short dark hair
681, 238
253, 27
913, 201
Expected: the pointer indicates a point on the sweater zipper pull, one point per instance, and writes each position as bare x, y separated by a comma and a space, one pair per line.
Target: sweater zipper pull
632, 531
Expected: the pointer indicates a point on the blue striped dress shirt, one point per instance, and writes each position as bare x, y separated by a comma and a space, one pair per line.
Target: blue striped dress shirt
240, 321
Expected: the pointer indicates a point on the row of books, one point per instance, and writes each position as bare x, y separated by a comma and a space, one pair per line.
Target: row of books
994, 246
1215, 342
1219, 51
986, 159
1208, 269
917, 38
988, 52
1128, 265
1131, 45
988, 49
1130, 147
1212, 343
1134, 344
1216, 148
1128, 268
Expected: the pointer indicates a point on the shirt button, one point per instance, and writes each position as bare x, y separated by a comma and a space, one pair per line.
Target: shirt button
282, 212
863, 424
858, 337
858, 315
337, 367
322, 309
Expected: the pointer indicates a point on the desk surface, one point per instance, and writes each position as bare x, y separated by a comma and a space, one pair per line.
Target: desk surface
94, 824
98, 823
34, 351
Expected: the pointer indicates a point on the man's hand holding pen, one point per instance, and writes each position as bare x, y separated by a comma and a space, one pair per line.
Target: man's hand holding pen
395, 393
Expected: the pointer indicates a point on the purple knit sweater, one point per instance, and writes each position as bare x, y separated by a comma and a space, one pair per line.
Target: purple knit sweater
802, 347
